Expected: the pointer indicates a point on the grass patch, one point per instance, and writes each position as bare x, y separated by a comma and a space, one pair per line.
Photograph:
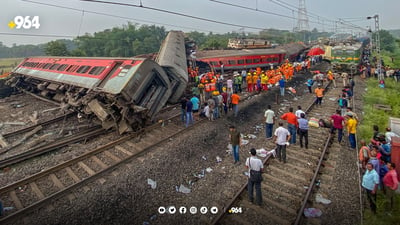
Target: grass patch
7, 64
372, 116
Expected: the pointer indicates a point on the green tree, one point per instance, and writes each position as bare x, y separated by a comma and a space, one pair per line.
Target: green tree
388, 42
56, 48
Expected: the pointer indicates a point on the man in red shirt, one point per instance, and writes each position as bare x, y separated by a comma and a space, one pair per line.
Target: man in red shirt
391, 183
291, 119
338, 122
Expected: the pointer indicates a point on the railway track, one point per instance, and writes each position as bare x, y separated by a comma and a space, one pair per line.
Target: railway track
42, 188
44, 123
289, 188
40, 150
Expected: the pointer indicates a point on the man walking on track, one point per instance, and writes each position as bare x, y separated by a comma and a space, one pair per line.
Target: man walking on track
319, 92
255, 167
236, 141
269, 122
282, 136
351, 130
291, 119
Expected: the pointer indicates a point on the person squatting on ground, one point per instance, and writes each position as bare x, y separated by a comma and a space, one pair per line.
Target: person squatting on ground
236, 142
255, 167
370, 183
281, 137
269, 116
337, 124
291, 119
319, 93
303, 130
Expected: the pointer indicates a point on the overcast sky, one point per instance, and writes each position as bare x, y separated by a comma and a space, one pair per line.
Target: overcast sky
70, 18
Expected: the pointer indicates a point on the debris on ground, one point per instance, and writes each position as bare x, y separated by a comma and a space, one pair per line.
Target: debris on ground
219, 159
183, 189
209, 170
312, 212
152, 183
320, 199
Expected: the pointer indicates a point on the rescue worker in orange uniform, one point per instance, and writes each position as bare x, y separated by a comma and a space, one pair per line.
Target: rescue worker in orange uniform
249, 81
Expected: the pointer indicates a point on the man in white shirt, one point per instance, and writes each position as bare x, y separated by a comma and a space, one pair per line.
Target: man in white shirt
389, 134
269, 116
299, 112
255, 164
281, 138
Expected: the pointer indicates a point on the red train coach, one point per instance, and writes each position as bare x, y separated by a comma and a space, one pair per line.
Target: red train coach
242, 59
121, 92
250, 58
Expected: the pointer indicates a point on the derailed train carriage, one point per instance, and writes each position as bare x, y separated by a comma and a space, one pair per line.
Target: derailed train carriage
121, 92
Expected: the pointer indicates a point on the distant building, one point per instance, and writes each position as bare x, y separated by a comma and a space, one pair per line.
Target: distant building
248, 43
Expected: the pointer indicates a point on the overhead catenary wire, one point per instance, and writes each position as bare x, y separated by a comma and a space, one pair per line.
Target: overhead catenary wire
111, 15
175, 13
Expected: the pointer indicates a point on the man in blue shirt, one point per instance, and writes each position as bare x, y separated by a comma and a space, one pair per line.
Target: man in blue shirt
303, 130
370, 184
282, 86
196, 104
310, 83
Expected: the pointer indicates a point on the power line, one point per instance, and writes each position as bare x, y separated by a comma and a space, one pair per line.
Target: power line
111, 15
174, 13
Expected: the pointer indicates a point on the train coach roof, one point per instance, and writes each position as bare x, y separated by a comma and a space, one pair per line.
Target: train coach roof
84, 58
225, 53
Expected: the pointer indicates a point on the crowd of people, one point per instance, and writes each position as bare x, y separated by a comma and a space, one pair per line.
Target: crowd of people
215, 94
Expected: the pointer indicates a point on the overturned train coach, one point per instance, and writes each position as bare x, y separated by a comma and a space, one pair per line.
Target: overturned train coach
121, 92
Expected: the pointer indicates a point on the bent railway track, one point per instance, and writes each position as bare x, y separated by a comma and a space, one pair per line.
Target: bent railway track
289, 188
42, 188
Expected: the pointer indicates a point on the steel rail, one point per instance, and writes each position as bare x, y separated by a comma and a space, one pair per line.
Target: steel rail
230, 203
312, 183
33, 152
45, 123
86, 180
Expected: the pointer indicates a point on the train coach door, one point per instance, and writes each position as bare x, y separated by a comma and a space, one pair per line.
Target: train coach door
114, 67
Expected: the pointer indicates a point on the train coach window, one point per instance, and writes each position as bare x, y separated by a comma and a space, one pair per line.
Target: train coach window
256, 60
83, 69
248, 61
124, 70
214, 63
97, 70
231, 62
54, 66
240, 61
72, 68
62, 67
48, 65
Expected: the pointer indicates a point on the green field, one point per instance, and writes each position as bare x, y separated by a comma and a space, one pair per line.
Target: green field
7, 64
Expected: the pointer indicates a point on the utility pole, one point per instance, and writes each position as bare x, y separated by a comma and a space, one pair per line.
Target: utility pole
377, 46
